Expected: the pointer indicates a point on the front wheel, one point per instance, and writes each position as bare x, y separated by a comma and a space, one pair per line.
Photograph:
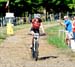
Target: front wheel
36, 56
35, 50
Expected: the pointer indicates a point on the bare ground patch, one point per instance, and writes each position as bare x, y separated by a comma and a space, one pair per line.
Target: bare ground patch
15, 52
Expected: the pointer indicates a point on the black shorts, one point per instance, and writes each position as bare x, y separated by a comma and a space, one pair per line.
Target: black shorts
35, 30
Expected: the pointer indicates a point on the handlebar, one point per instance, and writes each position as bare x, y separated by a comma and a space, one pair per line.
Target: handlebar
42, 34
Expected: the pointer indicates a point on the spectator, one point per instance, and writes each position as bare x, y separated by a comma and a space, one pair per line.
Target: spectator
68, 27
73, 27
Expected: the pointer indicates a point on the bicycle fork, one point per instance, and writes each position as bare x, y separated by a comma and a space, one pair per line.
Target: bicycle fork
34, 45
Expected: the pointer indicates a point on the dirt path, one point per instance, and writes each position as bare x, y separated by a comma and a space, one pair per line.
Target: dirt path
15, 52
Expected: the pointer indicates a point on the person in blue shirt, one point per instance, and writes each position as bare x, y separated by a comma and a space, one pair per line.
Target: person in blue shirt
68, 27
67, 24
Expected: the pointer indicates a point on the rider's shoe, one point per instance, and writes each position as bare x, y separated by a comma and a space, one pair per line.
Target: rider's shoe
30, 46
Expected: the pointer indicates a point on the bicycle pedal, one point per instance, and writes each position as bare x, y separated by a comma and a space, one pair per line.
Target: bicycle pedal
30, 47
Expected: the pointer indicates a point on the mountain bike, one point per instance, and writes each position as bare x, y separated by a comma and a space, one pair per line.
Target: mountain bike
35, 46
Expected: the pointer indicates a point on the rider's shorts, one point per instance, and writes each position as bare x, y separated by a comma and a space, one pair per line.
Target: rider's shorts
35, 30
69, 34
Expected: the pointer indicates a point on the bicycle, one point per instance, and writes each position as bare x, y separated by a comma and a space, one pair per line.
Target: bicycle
35, 46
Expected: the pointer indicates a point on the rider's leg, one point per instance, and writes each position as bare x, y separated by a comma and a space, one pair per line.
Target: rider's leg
32, 33
68, 39
70, 35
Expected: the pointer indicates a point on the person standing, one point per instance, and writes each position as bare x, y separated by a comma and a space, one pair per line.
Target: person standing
73, 27
68, 27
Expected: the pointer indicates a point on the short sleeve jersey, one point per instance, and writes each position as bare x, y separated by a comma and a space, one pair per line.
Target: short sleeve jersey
36, 22
68, 25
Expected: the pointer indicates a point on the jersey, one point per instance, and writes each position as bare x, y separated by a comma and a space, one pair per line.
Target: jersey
36, 22
73, 26
68, 25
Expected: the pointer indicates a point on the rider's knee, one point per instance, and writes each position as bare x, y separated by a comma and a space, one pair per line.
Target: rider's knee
32, 32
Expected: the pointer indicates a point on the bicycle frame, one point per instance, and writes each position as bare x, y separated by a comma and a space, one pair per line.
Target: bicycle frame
35, 46
35, 38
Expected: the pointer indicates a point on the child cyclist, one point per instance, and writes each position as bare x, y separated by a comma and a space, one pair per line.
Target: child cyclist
36, 24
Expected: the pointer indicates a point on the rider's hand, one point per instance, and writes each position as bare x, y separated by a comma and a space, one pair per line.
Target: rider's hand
31, 33
43, 34
58, 21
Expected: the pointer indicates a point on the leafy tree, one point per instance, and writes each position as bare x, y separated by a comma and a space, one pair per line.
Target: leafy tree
72, 4
32, 6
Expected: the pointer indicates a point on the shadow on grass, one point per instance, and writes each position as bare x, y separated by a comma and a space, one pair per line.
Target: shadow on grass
47, 57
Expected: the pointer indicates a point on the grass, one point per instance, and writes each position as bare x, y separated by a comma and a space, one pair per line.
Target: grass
53, 34
3, 34
55, 37
21, 26
57, 40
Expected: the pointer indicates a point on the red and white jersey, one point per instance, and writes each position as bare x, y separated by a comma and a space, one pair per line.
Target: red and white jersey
73, 25
36, 22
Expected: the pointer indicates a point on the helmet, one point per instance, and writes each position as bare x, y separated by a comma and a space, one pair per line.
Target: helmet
65, 17
37, 16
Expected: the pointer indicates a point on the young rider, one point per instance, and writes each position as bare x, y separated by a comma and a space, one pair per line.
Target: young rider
36, 24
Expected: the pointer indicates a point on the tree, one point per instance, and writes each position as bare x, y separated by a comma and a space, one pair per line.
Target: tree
72, 4
32, 6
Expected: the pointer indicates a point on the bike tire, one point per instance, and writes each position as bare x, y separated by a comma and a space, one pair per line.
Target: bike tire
33, 52
36, 50
36, 56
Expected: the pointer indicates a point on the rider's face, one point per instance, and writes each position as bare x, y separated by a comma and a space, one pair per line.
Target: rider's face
36, 20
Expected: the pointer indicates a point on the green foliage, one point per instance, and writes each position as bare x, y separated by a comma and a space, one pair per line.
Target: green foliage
71, 4
3, 0
54, 38
17, 1
58, 2
3, 34
32, 6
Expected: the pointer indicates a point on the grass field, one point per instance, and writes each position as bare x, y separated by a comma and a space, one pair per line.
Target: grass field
3, 33
53, 34
56, 36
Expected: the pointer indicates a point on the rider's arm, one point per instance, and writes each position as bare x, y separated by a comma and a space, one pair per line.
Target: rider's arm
73, 23
59, 21
62, 24
42, 28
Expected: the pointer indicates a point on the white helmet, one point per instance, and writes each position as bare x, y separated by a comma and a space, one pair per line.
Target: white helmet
37, 16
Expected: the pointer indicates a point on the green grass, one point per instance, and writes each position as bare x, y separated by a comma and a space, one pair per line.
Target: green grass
49, 22
21, 26
3, 33
54, 38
